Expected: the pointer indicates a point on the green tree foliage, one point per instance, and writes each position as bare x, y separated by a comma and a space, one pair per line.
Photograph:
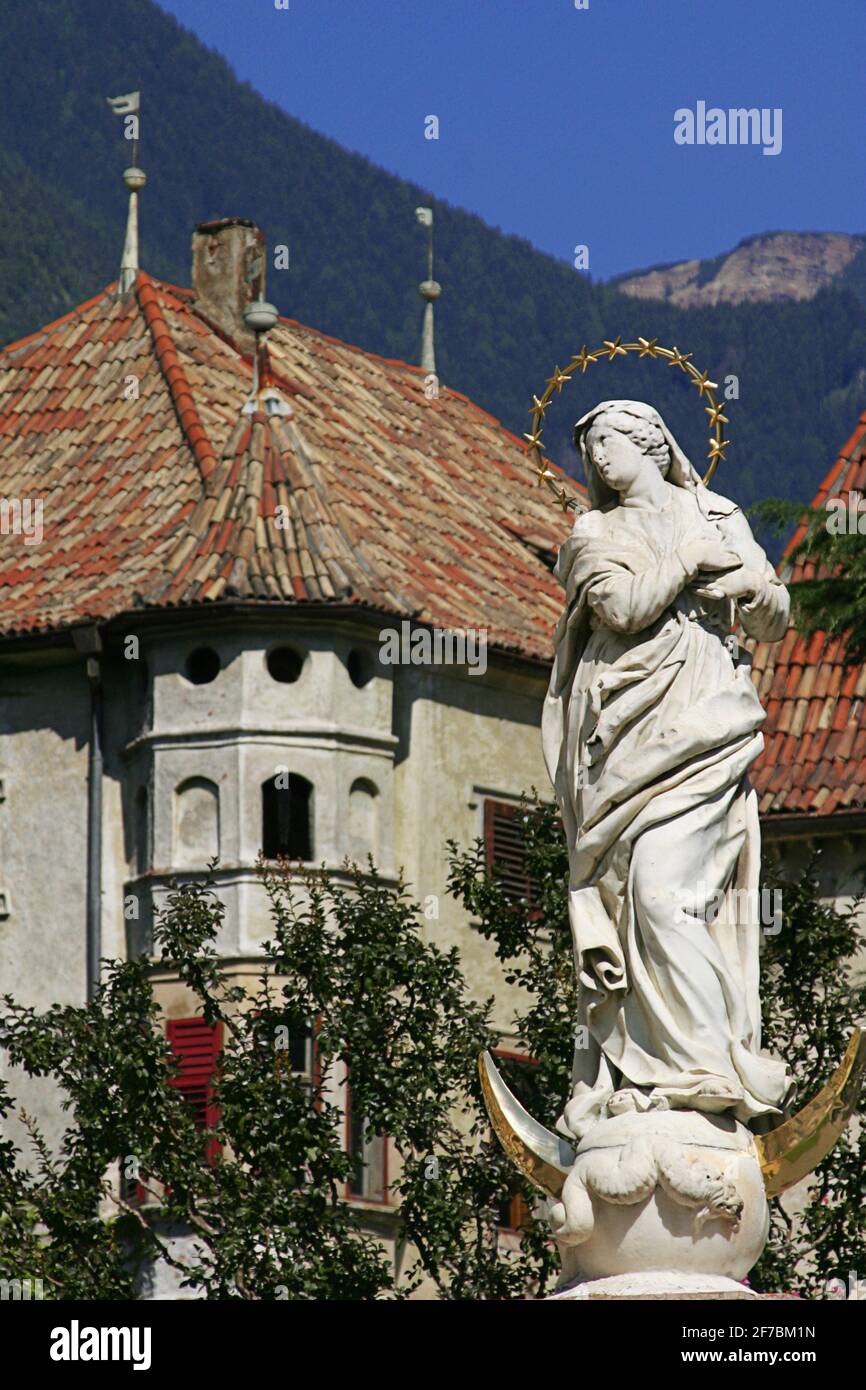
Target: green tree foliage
810, 1003
265, 1196
831, 596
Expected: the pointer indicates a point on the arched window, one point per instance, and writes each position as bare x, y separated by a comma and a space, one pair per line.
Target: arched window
196, 823
363, 820
287, 816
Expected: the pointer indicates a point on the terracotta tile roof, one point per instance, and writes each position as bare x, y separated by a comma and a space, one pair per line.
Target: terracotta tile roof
367, 494
814, 759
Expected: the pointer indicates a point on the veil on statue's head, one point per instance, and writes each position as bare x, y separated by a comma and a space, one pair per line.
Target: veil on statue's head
680, 473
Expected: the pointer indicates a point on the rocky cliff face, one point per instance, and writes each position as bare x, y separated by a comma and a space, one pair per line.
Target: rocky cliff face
778, 265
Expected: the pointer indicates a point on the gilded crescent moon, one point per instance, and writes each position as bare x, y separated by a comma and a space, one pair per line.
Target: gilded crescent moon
787, 1154
793, 1150
540, 1155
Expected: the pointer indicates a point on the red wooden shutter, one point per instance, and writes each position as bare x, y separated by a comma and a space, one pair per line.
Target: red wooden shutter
505, 843
196, 1045
514, 1214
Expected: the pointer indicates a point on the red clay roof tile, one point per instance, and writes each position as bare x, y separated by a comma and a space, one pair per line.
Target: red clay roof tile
371, 494
815, 770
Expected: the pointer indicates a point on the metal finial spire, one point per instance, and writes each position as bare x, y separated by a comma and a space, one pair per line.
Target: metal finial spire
259, 318
430, 291
128, 106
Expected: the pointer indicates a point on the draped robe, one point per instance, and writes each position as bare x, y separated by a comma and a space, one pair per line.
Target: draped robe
649, 729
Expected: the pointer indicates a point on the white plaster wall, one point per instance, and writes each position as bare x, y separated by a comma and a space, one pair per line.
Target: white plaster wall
840, 868
463, 737
44, 729
44, 733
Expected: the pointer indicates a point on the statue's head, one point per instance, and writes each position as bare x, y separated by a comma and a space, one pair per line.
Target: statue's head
618, 439
620, 446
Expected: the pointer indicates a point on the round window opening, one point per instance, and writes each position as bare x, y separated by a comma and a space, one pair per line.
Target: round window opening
285, 664
202, 666
361, 667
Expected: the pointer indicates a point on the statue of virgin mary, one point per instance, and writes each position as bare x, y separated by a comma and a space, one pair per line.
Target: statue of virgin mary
650, 726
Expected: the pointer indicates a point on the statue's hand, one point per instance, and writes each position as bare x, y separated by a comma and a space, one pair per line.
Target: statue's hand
741, 583
707, 553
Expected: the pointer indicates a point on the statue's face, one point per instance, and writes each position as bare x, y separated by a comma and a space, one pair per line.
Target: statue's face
617, 457
622, 445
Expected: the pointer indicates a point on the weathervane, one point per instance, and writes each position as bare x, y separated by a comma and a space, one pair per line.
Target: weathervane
129, 106
429, 291
611, 349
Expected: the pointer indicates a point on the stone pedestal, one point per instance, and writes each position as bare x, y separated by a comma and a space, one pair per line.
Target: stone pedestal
660, 1285
667, 1204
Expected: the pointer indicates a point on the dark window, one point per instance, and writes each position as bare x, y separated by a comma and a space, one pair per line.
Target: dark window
361, 667
505, 843
295, 1058
368, 1154
287, 817
202, 666
285, 664
300, 1050
295, 1051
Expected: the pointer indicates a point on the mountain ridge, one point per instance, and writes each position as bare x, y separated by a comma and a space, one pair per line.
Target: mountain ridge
761, 268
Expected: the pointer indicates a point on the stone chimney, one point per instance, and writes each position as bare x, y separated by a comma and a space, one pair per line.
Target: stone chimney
228, 273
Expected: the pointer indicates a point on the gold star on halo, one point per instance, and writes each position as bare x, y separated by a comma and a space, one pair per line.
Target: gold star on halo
717, 449
679, 359
647, 348
702, 381
543, 474
534, 441
558, 379
538, 407
563, 499
716, 416
614, 349
584, 358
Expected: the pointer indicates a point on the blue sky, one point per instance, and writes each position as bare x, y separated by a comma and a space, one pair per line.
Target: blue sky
557, 124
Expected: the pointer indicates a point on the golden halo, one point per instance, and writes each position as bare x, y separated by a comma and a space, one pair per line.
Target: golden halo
610, 350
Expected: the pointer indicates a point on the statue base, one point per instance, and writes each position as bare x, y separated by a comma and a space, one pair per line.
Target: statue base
666, 1199
656, 1284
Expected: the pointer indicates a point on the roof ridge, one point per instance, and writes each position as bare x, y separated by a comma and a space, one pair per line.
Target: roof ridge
175, 377
287, 435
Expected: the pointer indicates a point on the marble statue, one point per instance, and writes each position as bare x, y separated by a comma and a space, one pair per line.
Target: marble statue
650, 726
